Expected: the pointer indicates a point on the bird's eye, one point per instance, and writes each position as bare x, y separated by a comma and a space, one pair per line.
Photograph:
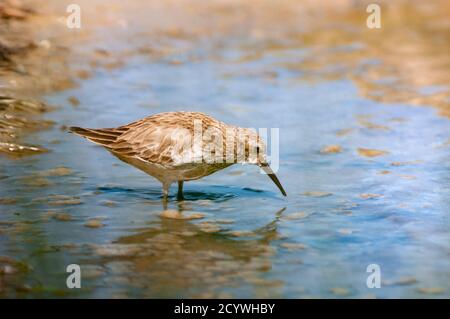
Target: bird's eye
257, 149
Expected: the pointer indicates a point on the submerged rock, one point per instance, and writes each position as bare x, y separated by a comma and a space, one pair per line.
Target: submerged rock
92, 271
403, 281
373, 126
331, 149
73, 101
293, 246
36, 181
94, 223
108, 203
59, 200
344, 132
371, 152
118, 250
345, 231
58, 171
19, 150
241, 233
431, 290
173, 214
208, 227
370, 196
406, 163
317, 194
340, 291
294, 216
10, 266
63, 217
7, 201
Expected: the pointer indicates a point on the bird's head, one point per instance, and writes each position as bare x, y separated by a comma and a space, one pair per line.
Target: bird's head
256, 153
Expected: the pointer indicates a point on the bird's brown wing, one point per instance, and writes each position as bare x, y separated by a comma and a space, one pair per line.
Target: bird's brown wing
165, 138
160, 144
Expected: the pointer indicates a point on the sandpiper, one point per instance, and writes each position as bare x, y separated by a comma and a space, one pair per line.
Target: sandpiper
165, 146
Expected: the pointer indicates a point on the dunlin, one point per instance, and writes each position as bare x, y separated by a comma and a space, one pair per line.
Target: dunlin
166, 147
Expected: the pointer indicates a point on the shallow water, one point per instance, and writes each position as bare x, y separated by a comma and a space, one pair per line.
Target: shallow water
343, 212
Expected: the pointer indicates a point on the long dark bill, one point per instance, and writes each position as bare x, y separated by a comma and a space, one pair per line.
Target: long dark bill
273, 177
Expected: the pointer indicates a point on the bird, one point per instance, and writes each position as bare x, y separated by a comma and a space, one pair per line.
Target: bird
175, 147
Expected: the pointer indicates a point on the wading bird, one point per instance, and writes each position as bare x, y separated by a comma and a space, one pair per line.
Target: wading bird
181, 146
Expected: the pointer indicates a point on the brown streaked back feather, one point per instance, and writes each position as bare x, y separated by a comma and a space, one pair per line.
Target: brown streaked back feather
152, 139
159, 137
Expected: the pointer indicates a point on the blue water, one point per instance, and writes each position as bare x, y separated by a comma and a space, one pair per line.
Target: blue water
247, 243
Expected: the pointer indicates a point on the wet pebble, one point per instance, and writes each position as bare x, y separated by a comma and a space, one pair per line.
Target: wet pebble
430, 290
223, 221
24, 288
293, 246
59, 200
7, 201
241, 233
108, 203
235, 173
187, 233
408, 177
173, 214
94, 223
49, 214
264, 282
405, 163
317, 194
10, 266
73, 101
366, 152
20, 150
331, 149
345, 231
64, 217
92, 271
37, 182
340, 291
58, 171
294, 216
373, 126
344, 132
208, 227
84, 74
66, 202
118, 250
403, 281
370, 196
204, 202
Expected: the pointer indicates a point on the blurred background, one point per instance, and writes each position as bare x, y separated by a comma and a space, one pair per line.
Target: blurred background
364, 128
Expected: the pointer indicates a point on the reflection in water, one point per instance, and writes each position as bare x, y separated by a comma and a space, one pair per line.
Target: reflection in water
176, 257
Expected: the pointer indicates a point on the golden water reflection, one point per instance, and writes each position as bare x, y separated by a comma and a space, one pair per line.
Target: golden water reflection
193, 259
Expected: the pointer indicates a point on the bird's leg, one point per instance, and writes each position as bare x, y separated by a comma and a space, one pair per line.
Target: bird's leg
180, 190
165, 187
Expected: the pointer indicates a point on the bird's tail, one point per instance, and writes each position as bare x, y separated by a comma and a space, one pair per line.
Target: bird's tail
105, 137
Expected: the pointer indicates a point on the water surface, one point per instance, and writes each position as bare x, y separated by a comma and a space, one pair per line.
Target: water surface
343, 212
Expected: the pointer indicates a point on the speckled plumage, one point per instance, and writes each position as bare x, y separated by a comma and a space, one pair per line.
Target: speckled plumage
161, 146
